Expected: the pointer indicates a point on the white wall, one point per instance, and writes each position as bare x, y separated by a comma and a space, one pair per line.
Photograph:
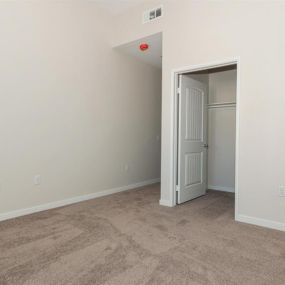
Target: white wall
197, 32
71, 109
221, 132
222, 87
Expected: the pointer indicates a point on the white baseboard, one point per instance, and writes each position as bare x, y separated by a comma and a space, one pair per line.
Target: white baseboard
222, 188
65, 202
261, 222
165, 203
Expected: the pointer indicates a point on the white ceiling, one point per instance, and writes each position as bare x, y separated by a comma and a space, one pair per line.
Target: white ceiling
151, 56
118, 6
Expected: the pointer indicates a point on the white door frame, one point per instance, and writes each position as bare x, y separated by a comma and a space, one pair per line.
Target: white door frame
174, 82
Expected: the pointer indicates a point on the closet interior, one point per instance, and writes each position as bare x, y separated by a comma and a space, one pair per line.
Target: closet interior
221, 83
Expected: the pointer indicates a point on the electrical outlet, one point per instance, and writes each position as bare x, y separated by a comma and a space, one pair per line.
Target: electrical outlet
37, 180
282, 191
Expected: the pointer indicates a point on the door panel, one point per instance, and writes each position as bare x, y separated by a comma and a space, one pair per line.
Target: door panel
192, 155
193, 168
193, 119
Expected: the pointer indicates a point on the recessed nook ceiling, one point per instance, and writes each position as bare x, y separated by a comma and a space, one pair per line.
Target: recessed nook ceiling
152, 56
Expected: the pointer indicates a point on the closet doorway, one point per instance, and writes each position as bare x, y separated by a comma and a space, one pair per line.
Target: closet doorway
206, 131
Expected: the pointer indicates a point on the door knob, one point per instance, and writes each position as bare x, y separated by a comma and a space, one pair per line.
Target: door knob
205, 145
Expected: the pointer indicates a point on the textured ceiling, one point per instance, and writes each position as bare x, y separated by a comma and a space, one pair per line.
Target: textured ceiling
151, 56
118, 6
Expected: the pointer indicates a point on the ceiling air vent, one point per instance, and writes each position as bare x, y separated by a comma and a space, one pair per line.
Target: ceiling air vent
152, 14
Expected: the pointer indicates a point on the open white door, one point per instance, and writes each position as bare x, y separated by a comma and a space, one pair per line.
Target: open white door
192, 139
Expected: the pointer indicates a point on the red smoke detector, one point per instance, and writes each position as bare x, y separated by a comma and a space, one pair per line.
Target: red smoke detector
144, 46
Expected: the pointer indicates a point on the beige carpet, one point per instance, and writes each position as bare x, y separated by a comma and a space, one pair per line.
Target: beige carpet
128, 238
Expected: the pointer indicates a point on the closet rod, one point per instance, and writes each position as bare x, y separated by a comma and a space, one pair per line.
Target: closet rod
222, 105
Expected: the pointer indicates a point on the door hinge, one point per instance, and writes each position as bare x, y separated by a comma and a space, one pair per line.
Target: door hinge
177, 188
179, 90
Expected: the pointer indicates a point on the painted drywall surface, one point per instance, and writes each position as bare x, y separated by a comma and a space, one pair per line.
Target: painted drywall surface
222, 87
197, 32
128, 27
221, 131
152, 56
71, 109
221, 152
203, 78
